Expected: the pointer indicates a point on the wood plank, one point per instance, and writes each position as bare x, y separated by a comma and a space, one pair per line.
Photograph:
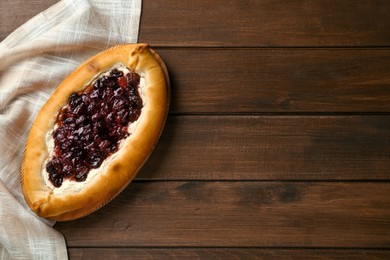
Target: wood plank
239, 214
243, 23
14, 13
224, 253
265, 23
278, 80
272, 148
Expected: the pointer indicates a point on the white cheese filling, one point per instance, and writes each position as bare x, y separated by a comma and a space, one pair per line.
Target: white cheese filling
74, 186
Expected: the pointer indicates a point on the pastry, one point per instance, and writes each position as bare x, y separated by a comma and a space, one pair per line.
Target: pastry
95, 132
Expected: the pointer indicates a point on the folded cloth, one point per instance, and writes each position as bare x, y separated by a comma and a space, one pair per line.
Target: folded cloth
34, 59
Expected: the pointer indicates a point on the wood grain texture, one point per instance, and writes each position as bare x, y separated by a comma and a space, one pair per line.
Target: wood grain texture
16, 12
226, 80
234, 214
272, 148
243, 23
265, 23
224, 253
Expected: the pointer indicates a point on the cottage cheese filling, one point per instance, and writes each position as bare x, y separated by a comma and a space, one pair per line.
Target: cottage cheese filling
70, 184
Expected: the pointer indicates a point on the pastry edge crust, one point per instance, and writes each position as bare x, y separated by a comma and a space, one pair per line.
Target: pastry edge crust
134, 150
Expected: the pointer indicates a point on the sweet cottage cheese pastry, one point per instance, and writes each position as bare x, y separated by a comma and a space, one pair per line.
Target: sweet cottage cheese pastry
95, 132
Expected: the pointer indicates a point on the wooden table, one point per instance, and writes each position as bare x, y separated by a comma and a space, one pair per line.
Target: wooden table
278, 138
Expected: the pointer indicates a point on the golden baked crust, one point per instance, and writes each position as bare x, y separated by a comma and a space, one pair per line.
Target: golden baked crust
134, 151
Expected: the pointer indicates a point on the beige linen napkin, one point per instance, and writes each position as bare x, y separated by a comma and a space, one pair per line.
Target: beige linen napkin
33, 61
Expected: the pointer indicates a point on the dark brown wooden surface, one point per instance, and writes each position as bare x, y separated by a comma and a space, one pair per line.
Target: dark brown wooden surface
266, 23
253, 80
244, 22
239, 214
225, 253
278, 140
283, 147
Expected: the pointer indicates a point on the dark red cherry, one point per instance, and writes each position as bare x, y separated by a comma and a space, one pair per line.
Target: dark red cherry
92, 124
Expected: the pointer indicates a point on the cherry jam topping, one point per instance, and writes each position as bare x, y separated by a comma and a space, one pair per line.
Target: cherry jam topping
92, 124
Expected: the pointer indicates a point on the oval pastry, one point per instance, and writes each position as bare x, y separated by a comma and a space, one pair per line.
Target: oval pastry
95, 132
